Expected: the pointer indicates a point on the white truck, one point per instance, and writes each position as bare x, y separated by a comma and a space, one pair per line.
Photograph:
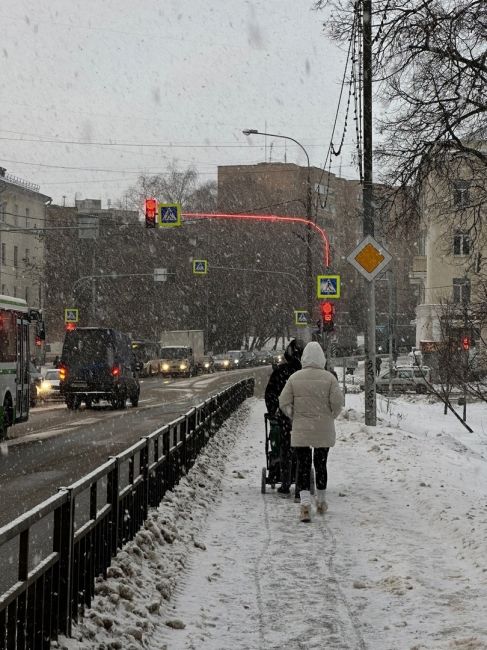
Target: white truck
182, 352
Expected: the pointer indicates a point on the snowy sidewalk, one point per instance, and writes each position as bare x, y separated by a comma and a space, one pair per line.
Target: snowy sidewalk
397, 562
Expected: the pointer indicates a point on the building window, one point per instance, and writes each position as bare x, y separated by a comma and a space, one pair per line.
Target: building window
319, 188
27, 295
27, 217
3, 212
4, 254
27, 255
461, 243
16, 213
15, 292
16, 255
461, 194
4, 290
461, 290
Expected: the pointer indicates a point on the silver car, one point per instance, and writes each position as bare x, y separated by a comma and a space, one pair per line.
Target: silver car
404, 379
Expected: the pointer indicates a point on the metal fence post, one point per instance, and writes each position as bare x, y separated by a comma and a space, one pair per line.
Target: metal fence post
144, 470
113, 482
63, 544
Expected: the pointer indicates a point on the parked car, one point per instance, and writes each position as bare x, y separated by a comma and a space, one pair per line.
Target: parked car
222, 362
35, 378
97, 363
206, 364
404, 379
49, 386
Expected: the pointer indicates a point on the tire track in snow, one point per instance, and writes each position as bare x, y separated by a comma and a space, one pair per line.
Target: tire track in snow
257, 567
323, 526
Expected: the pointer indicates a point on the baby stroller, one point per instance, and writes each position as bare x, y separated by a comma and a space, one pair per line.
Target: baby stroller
271, 473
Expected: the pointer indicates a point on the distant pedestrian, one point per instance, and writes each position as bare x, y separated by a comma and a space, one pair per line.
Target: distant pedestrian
277, 381
55, 363
312, 399
378, 364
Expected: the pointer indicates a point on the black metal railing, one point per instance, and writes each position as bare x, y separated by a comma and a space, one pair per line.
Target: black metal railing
57, 549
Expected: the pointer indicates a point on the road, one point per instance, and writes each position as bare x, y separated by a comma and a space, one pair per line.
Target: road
57, 446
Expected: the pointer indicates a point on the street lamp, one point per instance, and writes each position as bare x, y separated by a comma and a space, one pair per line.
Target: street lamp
309, 260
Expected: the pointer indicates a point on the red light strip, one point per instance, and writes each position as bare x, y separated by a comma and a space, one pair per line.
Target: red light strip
273, 218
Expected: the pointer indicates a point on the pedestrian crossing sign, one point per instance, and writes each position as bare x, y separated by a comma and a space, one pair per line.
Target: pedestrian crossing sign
300, 317
71, 315
328, 286
200, 267
169, 215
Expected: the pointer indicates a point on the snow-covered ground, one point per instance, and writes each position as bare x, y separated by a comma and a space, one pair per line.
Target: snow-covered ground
398, 561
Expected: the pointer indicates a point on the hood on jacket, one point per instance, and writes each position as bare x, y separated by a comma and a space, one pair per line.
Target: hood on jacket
313, 356
293, 353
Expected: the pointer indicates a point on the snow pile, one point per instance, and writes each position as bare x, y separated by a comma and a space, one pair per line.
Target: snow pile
145, 574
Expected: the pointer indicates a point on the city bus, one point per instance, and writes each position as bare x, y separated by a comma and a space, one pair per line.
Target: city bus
15, 334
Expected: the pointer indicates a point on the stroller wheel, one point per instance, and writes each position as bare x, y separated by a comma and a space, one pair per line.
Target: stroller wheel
264, 480
312, 481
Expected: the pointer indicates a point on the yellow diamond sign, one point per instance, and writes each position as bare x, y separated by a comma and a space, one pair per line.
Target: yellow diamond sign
369, 258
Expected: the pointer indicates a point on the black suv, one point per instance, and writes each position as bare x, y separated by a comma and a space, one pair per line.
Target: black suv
98, 363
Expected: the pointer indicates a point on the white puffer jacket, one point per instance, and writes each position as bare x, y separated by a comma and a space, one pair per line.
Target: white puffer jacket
312, 399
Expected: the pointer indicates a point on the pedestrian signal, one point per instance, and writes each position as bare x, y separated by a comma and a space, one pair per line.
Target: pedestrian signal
150, 209
466, 343
328, 315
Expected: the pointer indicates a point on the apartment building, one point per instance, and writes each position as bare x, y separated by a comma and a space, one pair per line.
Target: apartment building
449, 268
281, 189
22, 213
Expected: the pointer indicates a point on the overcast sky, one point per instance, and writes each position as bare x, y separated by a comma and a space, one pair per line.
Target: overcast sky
187, 75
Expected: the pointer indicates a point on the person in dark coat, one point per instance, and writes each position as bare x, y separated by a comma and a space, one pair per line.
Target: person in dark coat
378, 364
277, 381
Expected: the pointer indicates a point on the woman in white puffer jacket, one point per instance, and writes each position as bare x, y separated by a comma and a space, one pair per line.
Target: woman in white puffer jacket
312, 399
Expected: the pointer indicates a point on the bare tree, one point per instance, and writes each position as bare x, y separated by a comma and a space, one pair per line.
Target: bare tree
430, 61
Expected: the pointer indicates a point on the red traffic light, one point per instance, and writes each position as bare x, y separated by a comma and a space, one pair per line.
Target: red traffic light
466, 343
38, 341
70, 327
327, 315
150, 209
327, 311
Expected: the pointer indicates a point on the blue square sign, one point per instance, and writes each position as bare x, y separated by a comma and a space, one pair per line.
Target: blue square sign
328, 286
169, 215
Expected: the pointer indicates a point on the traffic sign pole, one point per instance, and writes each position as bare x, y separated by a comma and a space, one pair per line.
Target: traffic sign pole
368, 215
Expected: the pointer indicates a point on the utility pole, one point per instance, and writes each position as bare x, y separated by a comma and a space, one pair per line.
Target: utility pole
391, 327
368, 216
310, 284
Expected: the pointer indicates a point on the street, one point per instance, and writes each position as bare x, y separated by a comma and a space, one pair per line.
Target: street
57, 446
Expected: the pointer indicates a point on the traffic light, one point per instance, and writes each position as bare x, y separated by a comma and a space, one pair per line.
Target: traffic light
327, 315
70, 327
466, 343
150, 209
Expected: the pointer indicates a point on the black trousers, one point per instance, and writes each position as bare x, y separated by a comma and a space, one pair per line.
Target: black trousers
303, 458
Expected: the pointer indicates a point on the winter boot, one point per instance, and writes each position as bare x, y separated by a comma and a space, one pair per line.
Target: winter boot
305, 498
321, 505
